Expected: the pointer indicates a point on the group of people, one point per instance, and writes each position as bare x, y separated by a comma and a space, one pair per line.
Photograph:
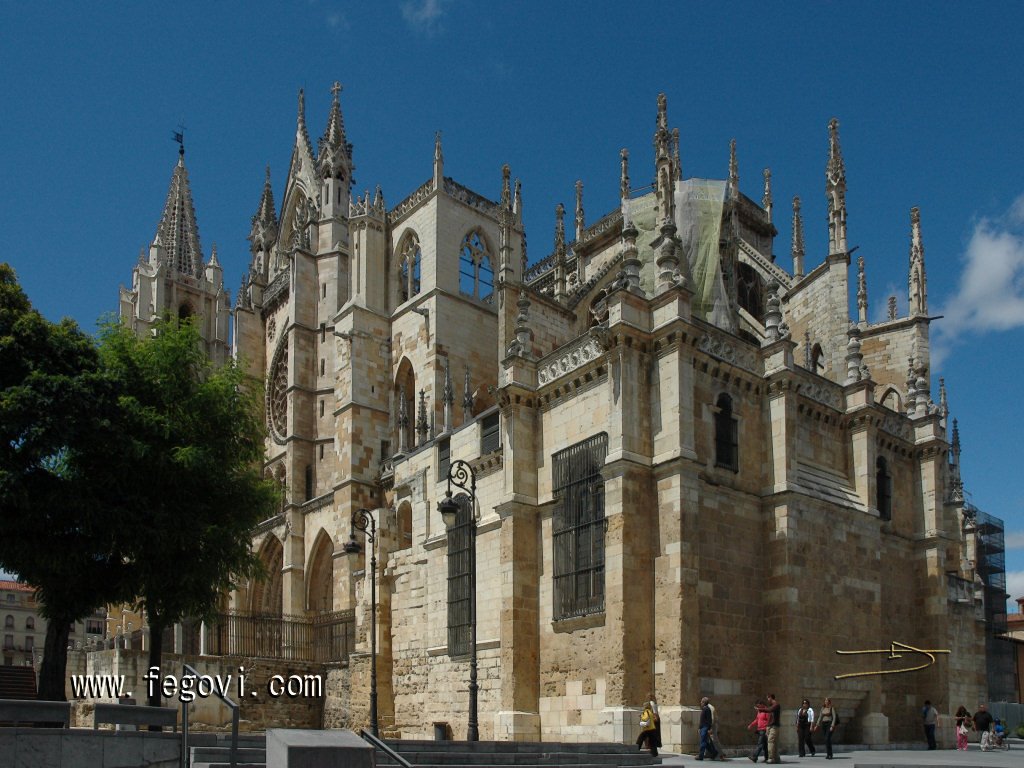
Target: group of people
992, 731
768, 719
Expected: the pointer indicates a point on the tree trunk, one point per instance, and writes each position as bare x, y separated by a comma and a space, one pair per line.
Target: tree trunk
156, 650
55, 661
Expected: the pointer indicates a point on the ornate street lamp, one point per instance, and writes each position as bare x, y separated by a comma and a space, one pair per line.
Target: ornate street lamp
461, 475
363, 521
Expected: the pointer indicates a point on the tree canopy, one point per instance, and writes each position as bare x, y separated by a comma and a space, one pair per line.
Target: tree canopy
129, 470
60, 523
192, 437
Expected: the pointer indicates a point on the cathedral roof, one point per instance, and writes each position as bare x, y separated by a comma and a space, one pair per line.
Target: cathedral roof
177, 232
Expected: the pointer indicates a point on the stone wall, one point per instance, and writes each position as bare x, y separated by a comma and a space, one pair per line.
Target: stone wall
61, 748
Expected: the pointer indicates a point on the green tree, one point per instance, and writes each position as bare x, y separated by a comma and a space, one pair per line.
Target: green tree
193, 441
60, 521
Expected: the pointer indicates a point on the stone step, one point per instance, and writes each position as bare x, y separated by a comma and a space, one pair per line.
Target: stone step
223, 754
522, 747
495, 758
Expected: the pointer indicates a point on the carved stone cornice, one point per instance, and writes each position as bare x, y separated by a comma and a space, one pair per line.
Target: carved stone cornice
411, 203
468, 197
277, 291
566, 359
723, 347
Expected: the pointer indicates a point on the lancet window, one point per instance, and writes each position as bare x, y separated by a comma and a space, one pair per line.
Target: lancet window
476, 268
409, 268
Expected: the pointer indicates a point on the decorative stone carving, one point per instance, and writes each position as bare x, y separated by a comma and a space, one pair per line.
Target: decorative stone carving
574, 355
721, 347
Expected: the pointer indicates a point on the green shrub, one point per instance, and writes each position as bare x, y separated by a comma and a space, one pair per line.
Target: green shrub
1020, 731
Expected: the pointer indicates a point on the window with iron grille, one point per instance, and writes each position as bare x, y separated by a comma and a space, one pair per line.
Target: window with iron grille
578, 528
444, 458
727, 449
490, 436
459, 579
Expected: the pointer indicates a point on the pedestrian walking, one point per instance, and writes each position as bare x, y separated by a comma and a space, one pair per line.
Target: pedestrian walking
760, 724
804, 724
707, 746
774, 721
648, 732
930, 715
982, 723
963, 727
828, 719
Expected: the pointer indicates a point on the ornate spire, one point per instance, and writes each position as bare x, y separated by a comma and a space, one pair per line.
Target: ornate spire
677, 165
917, 283
734, 171
517, 203
263, 233
798, 240
663, 162
422, 425
862, 292
334, 159
808, 352
560, 294
854, 358
301, 132
624, 174
892, 307
579, 210
835, 192
630, 259
177, 231
447, 396
438, 162
467, 400
766, 198
956, 490
403, 422
506, 188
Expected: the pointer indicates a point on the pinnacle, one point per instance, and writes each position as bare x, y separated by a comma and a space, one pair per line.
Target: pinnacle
177, 231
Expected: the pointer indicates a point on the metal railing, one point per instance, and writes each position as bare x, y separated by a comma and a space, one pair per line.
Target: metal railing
367, 736
325, 638
186, 758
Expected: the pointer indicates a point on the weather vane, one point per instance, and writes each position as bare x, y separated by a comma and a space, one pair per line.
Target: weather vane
179, 136
894, 653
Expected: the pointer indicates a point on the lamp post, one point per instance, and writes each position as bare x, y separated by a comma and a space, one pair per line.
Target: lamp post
461, 475
363, 521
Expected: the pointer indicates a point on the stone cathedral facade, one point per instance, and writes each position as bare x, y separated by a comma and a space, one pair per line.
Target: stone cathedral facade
698, 471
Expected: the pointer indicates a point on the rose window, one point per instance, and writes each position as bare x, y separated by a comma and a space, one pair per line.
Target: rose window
277, 393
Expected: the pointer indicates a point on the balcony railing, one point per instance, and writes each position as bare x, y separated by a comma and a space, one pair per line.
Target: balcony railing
325, 638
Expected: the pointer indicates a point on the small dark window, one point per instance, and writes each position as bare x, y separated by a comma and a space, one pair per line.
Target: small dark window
321, 408
9, 622
322, 366
323, 290
726, 435
30, 623
444, 458
309, 482
490, 436
385, 449
323, 332
883, 489
459, 579
321, 452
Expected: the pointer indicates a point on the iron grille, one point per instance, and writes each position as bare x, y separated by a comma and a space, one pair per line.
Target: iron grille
459, 576
579, 525
444, 458
490, 436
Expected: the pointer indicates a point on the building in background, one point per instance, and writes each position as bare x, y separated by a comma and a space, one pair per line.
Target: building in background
24, 628
697, 471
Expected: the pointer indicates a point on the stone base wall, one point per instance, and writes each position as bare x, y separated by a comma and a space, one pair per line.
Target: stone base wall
61, 748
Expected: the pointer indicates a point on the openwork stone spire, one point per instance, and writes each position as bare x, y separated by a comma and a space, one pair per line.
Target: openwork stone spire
798, 240
467, 400
263, 233
766, 199
177, 231
854, 359
663, 162
917, 283
438, 162
835, 192
403, 422
334, 159
422, 425
862, 292
301, 132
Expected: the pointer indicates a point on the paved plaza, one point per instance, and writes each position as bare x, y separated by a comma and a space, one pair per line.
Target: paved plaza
884, 758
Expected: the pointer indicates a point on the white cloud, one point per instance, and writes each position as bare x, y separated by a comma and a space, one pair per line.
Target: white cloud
337, 20
1014, 540
990, 296
424, 16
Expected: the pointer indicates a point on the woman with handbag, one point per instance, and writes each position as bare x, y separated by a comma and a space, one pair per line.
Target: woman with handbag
963, 727
648, 729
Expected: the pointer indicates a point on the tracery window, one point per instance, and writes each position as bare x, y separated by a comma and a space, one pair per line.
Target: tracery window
409, 268
476, 268
459, 585
748, 290
578, 526
277, 393
726, 434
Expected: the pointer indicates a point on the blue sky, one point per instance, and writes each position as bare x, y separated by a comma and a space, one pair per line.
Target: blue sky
927, 95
